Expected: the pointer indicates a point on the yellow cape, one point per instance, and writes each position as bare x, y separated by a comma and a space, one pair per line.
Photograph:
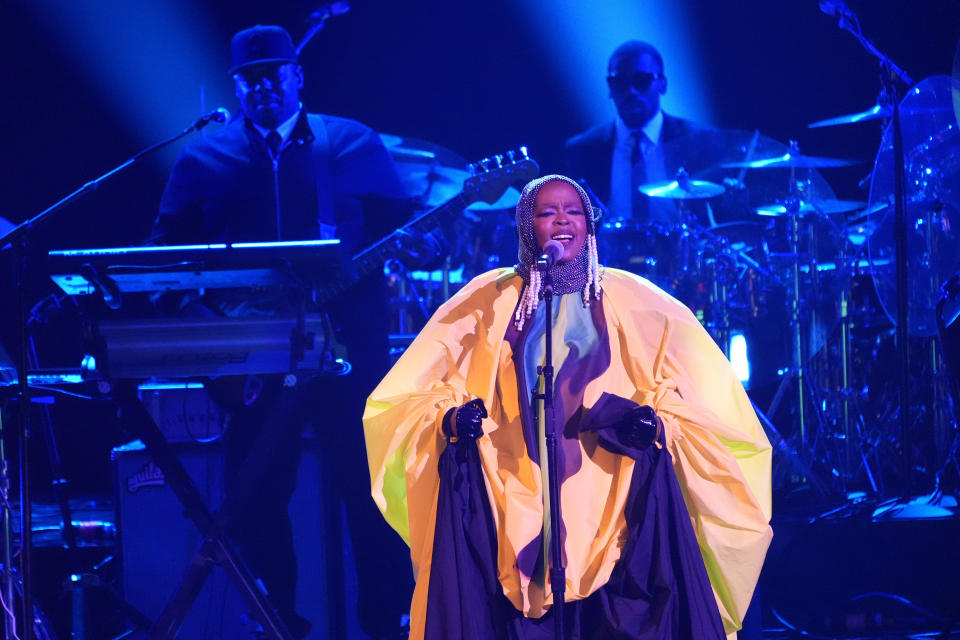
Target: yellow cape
660, 356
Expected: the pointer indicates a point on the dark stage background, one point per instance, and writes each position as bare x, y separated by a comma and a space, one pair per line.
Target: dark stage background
88, 84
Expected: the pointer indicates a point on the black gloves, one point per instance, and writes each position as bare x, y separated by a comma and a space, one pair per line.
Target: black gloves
468, 421
639, 427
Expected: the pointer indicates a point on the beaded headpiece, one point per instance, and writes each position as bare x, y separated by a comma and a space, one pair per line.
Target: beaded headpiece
582, 273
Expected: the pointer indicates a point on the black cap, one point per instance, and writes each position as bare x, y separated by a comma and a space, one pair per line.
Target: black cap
260, 44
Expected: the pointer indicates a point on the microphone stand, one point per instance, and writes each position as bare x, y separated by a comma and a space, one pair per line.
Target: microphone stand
890, 73
558, 574
17, 240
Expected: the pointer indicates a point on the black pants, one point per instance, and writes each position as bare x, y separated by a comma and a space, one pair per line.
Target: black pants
263, 453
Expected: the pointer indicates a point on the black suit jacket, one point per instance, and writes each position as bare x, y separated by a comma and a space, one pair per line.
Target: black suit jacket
587, 156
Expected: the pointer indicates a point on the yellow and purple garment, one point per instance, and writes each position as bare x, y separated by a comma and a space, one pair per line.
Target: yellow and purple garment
644, 348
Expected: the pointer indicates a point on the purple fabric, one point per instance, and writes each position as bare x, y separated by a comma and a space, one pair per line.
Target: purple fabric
659, 590
463, 598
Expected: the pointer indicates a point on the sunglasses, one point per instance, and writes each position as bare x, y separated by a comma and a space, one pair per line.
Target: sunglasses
250, 76
639, 80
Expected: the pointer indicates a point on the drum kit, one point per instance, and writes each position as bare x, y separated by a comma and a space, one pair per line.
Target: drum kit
765, 252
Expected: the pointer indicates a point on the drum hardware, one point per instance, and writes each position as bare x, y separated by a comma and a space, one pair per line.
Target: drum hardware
809, 320
917, 237
687, 260
876, 112
408, 295
948, 329
805, 258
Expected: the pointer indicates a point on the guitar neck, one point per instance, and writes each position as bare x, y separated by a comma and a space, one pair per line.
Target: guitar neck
373, 257
490, 179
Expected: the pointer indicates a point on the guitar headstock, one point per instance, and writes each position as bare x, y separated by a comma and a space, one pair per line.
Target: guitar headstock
490, 177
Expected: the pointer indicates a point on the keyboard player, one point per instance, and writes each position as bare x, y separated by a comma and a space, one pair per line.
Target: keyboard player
277, 172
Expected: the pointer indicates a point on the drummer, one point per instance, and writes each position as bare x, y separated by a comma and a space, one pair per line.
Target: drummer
615, 158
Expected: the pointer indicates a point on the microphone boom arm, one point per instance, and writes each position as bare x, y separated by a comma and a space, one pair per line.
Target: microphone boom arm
318, 20
21, 230
848, 21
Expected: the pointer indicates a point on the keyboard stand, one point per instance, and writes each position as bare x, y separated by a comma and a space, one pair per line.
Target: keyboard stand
215, 548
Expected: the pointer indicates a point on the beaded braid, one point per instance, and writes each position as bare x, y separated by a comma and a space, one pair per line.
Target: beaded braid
529, 300
592, 288
582, 273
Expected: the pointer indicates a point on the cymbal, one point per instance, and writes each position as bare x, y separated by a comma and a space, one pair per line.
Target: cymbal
429, 172
791, 160
433, 185
875, 112
435, 174
931, 143
822, 207
704, 153
508, 200
685, 189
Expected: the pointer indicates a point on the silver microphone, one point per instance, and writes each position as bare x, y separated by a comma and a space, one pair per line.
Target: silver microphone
220, 114
552, 251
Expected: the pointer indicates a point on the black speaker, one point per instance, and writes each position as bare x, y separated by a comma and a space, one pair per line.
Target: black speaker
157, 542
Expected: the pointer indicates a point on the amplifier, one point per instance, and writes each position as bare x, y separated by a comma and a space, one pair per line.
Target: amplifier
157, 542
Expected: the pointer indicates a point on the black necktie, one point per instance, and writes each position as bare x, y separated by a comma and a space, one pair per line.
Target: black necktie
640, 205
273, 141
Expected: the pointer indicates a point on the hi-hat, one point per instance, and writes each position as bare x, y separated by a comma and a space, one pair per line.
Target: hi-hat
875, 112
822, 207
683, 188
790, 160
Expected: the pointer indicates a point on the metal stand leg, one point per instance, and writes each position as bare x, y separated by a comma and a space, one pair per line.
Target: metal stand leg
215, 548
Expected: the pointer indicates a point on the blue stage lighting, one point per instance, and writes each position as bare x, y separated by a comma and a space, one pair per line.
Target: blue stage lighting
581, 36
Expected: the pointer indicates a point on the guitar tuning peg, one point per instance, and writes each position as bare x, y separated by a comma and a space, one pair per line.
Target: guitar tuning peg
499, 160
523, 152
511, 156
485, 164
473, 168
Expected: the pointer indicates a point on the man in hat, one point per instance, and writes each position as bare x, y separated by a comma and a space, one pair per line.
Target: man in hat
279, 173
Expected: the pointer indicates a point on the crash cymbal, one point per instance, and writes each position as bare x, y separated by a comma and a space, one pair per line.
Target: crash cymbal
931, 144
508, 200
683, 188
876, 112
790, 160
429, 172
822, 207
432, 185
416, 150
